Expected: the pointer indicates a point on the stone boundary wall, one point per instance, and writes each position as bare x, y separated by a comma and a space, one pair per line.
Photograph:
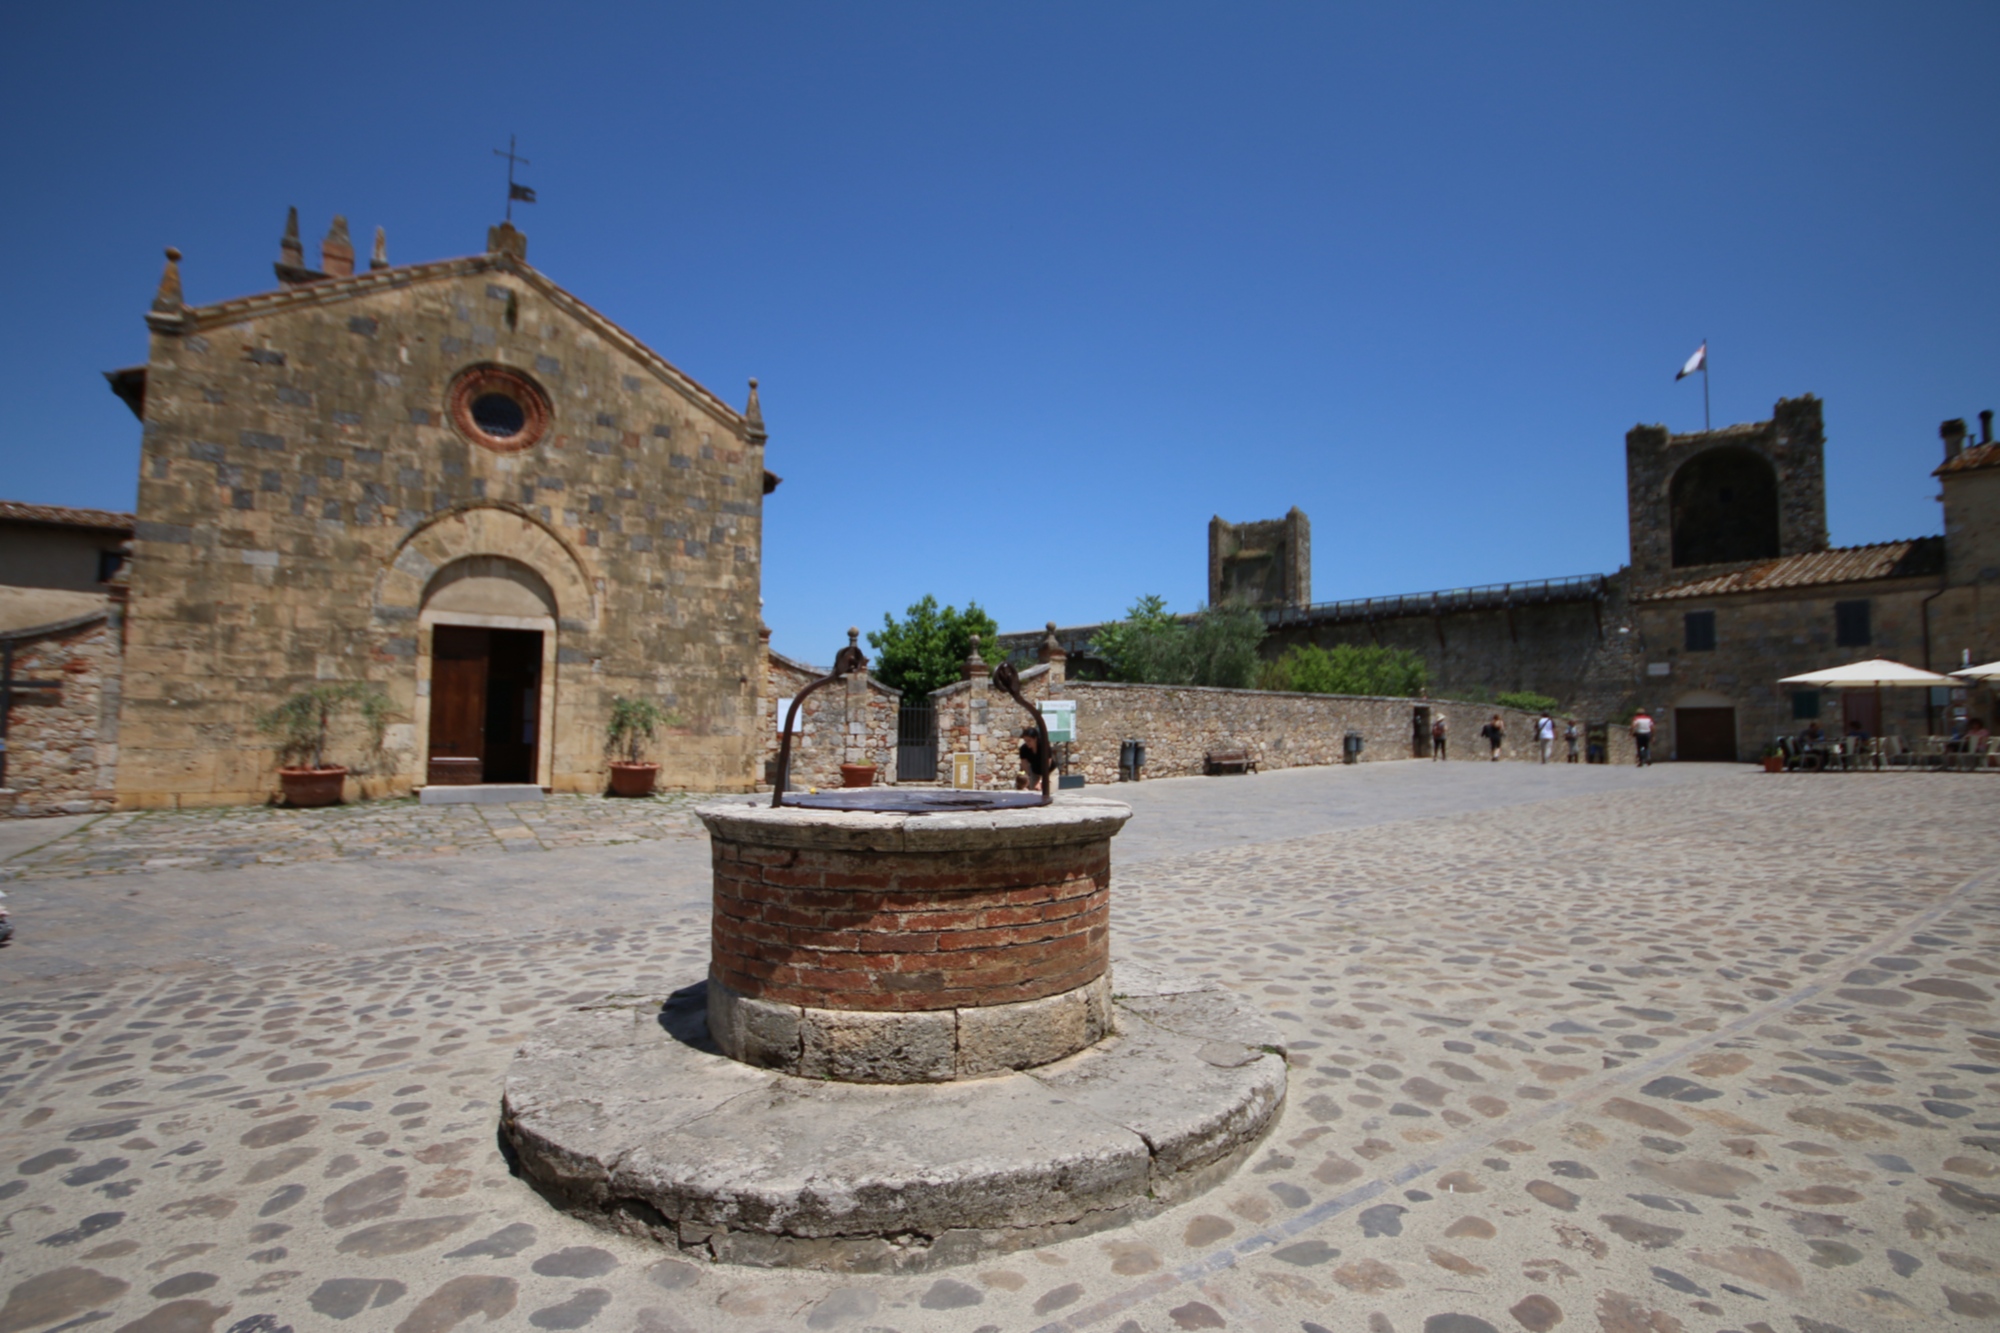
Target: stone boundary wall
1181, 724
62, 746
850, 721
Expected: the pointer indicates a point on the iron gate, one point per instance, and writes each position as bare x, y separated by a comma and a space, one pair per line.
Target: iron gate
916, 742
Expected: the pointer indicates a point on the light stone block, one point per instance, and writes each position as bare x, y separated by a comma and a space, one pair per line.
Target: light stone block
1020, 1036
858, 1047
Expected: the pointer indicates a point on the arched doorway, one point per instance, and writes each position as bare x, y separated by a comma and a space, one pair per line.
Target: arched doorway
487, 635
1723, 505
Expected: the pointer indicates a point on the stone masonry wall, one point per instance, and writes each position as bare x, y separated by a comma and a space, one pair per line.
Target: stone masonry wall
852, 721
303, 482
62, 746
1181, 724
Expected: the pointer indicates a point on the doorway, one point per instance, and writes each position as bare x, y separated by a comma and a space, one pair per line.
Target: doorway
1864, 707
1705, 735
1420, 732
485, 704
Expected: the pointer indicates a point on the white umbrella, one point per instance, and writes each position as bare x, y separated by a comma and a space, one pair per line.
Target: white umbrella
1988, 671
1877, 673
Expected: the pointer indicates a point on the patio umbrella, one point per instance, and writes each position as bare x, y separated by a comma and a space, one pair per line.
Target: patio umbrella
1877, 674
1987, 671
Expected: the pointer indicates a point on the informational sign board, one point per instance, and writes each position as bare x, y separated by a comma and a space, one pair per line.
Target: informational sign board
961, 772
1059, 715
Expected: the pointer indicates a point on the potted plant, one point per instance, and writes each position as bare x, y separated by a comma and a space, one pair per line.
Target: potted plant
857, 775
301, 726
632, 726
1774, 759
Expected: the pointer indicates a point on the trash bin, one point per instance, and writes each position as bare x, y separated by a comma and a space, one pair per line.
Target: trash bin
1350, 748
1131, 760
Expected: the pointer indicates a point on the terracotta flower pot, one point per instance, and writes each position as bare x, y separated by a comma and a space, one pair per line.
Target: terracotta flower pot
857, 775
633, 779
312, 786
1774, 763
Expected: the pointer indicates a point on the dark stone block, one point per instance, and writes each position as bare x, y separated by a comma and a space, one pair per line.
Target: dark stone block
632, 383
572, 657
333, 468
606, 419
590, 536
298, 506
641, 542
663, 431
213, 396
550, 483
363, 325
548, 365
228, 474
697, 503
596, 504
375, 492
409, 476
149, 531
241, 498
264, 356
479, 487
294, 397
270, 480
599, 446
745, 508
367, 455
452, 346
400, 647
203, 451
330, 510
682, 460
257, 439
699, 551
420, 416
346, 418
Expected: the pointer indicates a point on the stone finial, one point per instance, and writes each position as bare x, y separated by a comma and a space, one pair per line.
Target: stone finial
975, 665
507, 239
753, 416
291, 251
1051, 649
380, 258
336, 252
167, 300
1986, 426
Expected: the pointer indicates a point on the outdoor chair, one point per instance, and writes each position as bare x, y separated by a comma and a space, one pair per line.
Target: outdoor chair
1894, 752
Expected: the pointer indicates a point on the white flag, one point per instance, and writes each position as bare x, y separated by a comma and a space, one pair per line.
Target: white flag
1699, 361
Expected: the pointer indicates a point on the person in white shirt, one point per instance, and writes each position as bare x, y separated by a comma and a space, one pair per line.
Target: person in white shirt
1545, 732
1642, 738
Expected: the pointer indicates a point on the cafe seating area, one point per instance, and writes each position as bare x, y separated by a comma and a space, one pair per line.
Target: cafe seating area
1882, 754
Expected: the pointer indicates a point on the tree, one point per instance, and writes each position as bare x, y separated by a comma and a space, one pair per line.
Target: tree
927, 648
1215, 646
1347, 669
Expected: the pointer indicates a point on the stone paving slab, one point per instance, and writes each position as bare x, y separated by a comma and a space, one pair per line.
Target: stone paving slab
1723, 1054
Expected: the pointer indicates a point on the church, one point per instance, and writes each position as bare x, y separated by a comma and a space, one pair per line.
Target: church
453, 481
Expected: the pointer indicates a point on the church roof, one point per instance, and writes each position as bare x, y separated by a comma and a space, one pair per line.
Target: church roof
63, 516
333, 291
1842, 564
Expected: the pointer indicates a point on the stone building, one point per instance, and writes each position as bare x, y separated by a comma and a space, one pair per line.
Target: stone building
455, 481
1265, 563
852, 721
1732, 584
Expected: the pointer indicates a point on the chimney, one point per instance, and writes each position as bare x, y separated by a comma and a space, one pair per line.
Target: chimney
380, 259
1986, 426
336, 252
1953, 434
291, 253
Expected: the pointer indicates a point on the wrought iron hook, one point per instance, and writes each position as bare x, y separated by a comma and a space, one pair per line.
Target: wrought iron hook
845, 662
1043, 761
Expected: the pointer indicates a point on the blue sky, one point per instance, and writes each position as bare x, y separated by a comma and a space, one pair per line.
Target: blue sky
1033, 290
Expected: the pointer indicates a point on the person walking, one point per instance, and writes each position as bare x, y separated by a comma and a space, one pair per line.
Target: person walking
1545, 733
1570, 737
1437, 735
1495, 733
1642, 738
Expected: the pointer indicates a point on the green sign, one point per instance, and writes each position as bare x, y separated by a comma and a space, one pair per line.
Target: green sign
1059, 715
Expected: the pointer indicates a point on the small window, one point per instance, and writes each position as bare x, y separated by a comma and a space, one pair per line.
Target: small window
1805, 705
1701, 631
498, 415
108, 565
1850, 624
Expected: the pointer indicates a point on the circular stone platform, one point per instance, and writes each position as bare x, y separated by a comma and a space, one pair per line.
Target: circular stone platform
630, 1116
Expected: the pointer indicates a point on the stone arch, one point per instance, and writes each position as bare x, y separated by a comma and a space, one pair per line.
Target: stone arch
1723, 506
490, 585
499, 531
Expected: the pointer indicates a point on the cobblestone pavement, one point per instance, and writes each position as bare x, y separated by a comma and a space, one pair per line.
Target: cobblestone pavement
1718, 1055
143, 841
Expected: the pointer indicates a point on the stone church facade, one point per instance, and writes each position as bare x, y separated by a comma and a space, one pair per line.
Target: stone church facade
454, 481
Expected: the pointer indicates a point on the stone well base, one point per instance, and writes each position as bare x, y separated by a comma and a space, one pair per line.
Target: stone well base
628, 1116
908, 1046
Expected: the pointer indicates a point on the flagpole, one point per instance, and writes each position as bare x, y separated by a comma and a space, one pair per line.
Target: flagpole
1706, 425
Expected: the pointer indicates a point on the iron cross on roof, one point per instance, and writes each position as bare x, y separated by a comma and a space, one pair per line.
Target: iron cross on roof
9, 687
525, 193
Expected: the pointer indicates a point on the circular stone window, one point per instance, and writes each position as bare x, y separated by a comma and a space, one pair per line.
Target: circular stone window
499, 408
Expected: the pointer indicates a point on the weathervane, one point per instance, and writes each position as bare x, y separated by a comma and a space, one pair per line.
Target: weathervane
525, 193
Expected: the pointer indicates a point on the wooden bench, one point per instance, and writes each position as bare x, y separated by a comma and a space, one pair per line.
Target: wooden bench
1238, 760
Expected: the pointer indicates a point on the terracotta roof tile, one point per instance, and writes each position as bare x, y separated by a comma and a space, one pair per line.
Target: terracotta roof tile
103, 519
1842, 564
1969, 460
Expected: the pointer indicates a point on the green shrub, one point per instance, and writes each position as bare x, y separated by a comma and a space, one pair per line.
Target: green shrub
1347, 669
1528, 701
1215, 646
302, 724
632, 725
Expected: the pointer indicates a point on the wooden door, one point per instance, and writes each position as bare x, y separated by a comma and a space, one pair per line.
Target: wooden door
1705, 735
458, 703
1863, 706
